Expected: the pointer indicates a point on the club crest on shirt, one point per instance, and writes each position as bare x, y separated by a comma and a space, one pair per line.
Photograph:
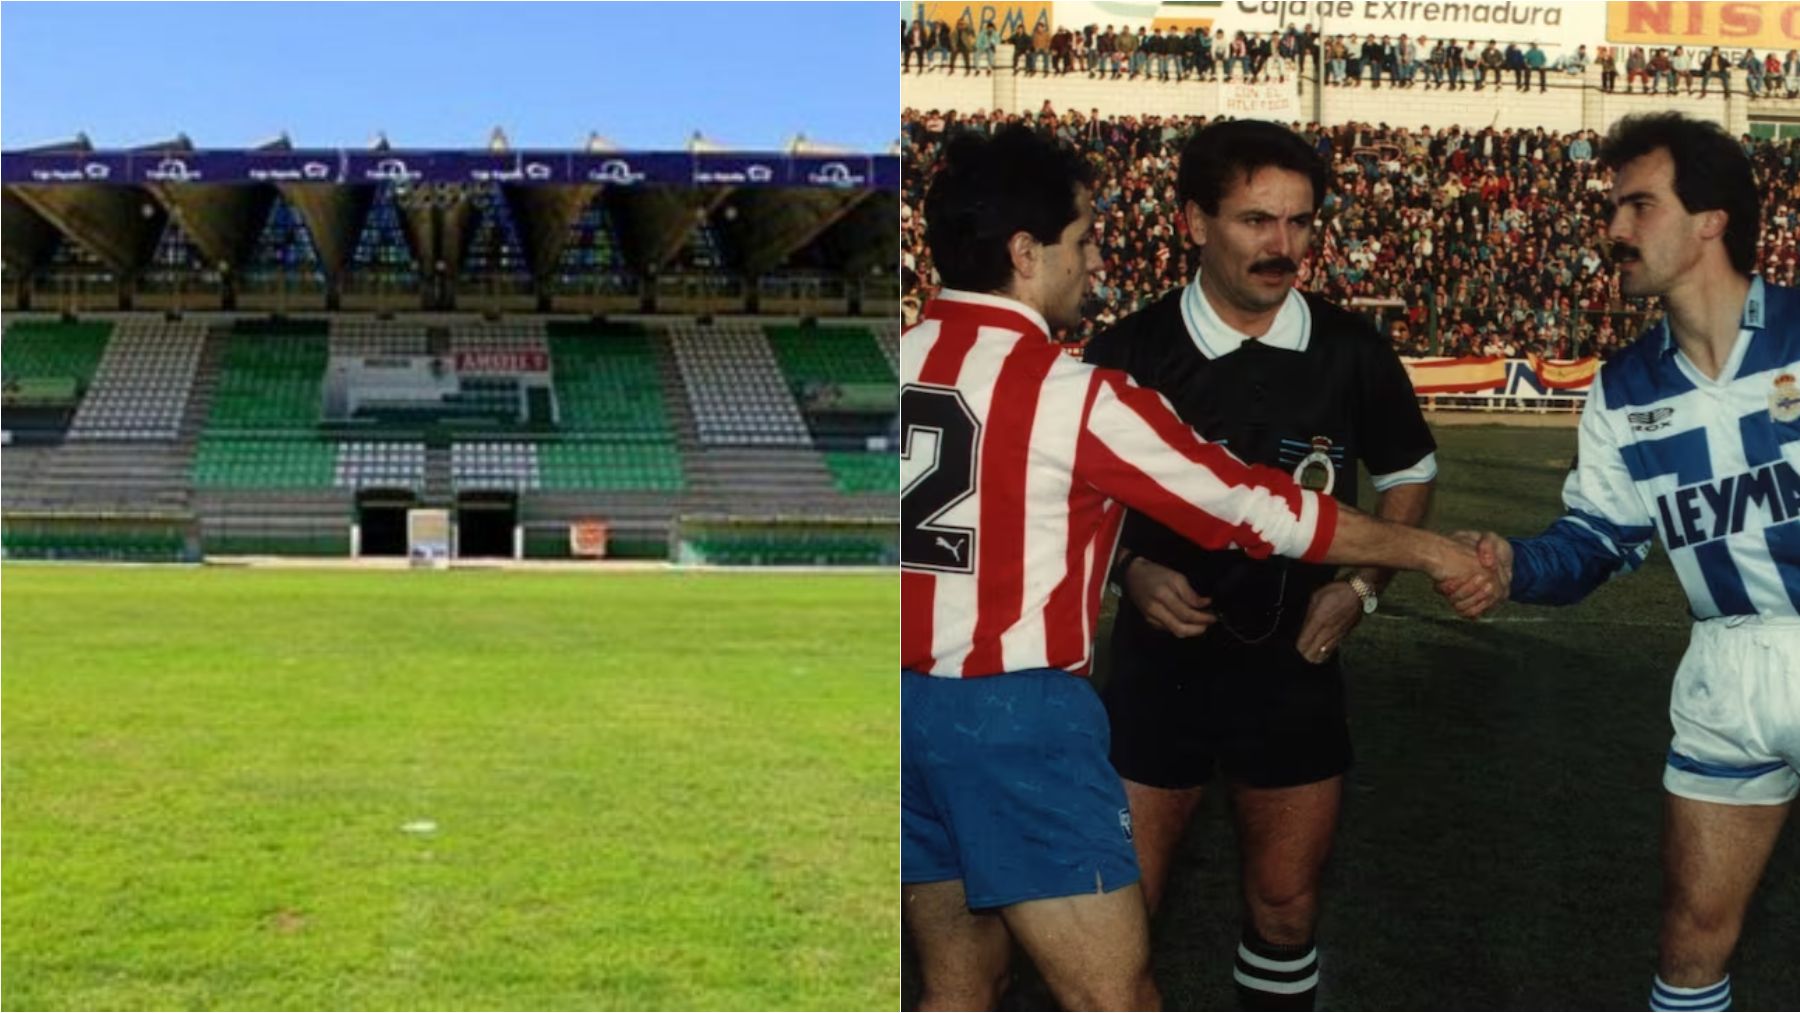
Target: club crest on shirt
1315, 471
1784, 400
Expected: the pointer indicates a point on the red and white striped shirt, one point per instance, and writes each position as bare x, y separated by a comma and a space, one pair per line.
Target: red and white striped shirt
1018, 463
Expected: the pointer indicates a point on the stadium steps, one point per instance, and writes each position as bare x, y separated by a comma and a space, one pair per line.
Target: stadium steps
136, 477
675, 402
252, 523
22, 466
206, 384
887, 335
761, 480
440, 484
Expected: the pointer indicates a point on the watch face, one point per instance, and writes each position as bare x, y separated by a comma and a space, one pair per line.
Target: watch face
1369, 604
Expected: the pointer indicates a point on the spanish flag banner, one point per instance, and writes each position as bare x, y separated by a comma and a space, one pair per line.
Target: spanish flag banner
1571, 374
1456, 376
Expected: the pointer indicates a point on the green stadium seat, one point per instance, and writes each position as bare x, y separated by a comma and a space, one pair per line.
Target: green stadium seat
601, 465
36, 349
861, 471
608, 387
812, 356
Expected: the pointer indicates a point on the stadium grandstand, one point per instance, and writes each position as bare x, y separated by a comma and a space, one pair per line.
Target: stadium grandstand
292, 351
1467, 221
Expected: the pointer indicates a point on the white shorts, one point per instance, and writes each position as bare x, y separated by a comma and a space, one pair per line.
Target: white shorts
1735, 706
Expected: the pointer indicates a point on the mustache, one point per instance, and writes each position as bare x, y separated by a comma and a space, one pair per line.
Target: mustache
1622, 252
1285, 265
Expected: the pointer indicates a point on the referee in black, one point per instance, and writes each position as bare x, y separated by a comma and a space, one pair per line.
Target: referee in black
1223, 663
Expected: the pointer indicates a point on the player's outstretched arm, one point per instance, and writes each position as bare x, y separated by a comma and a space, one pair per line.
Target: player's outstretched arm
1136, 449
1362, 540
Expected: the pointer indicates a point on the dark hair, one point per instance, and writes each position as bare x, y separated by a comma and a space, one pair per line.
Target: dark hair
1712, 173
989, 189
1222, 152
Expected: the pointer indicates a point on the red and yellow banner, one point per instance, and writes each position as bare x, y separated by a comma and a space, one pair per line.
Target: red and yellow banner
1574, 374
1694, 24
1457, 376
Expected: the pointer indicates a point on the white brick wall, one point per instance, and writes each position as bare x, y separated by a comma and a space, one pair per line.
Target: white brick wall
1567, 106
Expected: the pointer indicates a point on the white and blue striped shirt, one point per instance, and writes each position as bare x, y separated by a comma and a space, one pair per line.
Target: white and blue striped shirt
1712, 466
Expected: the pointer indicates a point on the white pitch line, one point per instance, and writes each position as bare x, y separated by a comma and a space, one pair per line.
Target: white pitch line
1535, 620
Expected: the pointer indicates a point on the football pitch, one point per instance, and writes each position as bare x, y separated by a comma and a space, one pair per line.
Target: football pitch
239, 789
1499, 847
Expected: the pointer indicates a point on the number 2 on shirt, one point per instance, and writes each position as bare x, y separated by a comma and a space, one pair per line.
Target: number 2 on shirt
939, 442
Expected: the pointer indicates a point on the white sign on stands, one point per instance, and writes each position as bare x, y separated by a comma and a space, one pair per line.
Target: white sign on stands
1276, 101
1554, 25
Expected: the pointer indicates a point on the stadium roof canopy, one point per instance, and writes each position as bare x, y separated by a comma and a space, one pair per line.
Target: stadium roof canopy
116, 204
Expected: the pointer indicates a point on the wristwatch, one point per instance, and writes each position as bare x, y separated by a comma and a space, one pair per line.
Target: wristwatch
1366, 592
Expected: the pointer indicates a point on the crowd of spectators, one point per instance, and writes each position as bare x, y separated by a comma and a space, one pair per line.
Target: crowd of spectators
1457, 242
1401, 61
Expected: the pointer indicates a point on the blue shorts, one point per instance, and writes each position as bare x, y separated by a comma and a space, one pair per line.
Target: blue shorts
1005, 785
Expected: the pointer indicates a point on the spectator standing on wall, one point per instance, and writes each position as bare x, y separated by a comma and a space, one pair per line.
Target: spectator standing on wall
1790, 73
1609, 69
1107, 45
1636, 66
1371, 60
1197, 51
1433, 55
1156, 54
1040, 49
1491, 63
964, 45
1021, 43
986, 41
1683, 64
1260, 50
1128, 51
912, 44
1062, 51
1714, 65
1239, 58
1662, 71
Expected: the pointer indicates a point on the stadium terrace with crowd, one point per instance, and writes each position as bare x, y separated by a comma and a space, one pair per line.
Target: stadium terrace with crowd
1401, 61
1457, 242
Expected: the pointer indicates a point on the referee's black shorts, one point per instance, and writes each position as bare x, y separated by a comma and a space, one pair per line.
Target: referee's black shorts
1258, 713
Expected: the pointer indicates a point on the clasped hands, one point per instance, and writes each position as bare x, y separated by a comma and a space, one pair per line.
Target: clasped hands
1479, 576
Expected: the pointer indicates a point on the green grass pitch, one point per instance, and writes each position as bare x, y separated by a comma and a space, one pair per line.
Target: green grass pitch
648, 790
1499, 847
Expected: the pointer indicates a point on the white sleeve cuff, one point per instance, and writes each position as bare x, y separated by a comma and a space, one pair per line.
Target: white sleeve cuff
1418, 474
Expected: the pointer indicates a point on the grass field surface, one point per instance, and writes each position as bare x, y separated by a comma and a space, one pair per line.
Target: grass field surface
1500, 842
301, 790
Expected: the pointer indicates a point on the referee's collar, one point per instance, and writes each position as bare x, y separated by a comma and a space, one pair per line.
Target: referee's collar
1291, 330
993, 302
1755, 316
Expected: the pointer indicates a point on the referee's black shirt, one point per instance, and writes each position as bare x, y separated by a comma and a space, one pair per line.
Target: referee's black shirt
1345, 394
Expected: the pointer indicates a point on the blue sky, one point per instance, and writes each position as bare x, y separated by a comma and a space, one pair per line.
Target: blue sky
645, 75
